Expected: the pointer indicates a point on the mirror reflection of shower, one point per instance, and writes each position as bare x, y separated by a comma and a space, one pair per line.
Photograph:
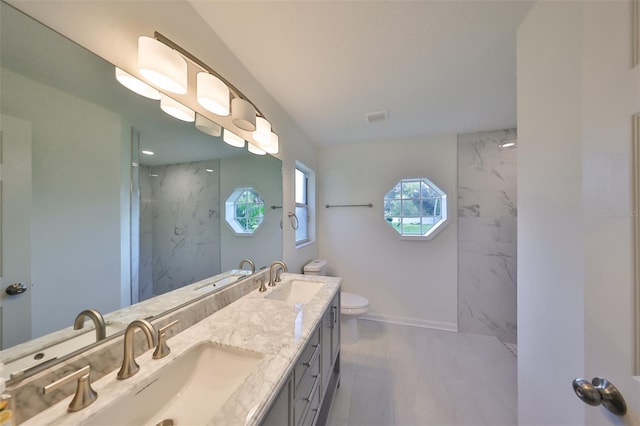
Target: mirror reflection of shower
179, 225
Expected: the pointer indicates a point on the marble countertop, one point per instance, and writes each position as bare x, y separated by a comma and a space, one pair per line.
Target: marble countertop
276, 329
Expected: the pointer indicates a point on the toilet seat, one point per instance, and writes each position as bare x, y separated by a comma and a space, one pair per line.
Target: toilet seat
353, 304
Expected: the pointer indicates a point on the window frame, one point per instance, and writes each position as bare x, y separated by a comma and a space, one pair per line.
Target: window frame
436, 227
307, 207
302, 205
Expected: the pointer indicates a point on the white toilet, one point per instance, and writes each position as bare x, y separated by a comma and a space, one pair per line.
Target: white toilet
352, 305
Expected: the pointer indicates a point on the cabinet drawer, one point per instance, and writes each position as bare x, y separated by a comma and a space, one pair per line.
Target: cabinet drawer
309, 356
314, 408
308, 393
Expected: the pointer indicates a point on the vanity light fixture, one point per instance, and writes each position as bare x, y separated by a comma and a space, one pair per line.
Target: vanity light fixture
507, 145
232, 139
209, 170
243, 114
136, 85
207, 126
213, 94
254, 149
147, 152
176, 109
162, 65
262, 134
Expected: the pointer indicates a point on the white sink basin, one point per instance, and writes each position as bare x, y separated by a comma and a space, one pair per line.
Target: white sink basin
295, 291
58, 350
188, 391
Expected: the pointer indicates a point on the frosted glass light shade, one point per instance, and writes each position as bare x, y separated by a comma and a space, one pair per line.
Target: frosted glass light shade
213, 94
176, 109
207, 126
233, 139
254, 149
136, 85
273, 145
262, 133
243, 114
162, 65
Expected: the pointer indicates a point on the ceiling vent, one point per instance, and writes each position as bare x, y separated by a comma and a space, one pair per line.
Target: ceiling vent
375, 117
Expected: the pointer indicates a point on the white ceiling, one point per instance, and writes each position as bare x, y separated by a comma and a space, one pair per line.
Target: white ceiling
435, 66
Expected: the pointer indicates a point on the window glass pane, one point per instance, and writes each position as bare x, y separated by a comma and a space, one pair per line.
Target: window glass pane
392, 208
395, 192
410, 189
302, 233
410, 208
301, 187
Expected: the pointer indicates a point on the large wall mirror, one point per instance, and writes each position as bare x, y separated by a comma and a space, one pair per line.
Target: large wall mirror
88, 221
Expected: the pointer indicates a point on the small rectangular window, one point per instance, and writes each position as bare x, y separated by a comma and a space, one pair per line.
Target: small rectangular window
302, 205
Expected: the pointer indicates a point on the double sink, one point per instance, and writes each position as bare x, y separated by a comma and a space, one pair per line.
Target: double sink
192, 387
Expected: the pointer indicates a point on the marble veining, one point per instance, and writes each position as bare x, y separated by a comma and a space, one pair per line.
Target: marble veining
273, 328
487, 238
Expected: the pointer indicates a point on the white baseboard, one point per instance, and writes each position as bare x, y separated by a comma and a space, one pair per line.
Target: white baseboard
438, 325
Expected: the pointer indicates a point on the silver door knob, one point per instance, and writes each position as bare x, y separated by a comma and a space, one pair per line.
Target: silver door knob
16, 288
600, 391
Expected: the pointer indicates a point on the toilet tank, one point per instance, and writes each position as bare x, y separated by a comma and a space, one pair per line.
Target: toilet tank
316, 267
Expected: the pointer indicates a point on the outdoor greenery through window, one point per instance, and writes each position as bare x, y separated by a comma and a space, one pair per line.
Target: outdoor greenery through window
302, 205
244, 210
415, 207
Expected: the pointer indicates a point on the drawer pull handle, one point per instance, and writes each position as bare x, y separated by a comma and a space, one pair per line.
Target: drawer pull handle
315, 354
314, 388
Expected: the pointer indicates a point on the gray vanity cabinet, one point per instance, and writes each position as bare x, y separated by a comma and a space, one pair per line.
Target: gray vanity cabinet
306, 397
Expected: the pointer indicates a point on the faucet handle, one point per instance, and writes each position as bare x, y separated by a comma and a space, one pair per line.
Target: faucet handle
84, 396
163, 349
262, 280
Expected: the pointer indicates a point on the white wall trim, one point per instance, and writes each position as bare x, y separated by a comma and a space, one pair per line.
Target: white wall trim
413, 322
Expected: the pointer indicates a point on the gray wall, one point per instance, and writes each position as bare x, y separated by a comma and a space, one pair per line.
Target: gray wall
75, 218
487, 214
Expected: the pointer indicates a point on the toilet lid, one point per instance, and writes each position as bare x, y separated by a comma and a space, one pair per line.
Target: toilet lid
350, 300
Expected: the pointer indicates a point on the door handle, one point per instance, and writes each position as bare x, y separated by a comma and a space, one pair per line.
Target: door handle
15, 288
600, 391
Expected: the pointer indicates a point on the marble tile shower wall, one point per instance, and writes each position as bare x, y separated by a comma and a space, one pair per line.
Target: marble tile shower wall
487, 214
179, 225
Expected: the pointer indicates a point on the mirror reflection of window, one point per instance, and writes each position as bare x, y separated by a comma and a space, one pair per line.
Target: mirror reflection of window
244, 210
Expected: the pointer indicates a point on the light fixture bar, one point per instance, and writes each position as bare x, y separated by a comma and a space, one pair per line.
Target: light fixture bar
234, 90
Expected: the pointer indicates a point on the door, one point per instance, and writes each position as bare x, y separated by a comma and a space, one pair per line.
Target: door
577, 306
15, 214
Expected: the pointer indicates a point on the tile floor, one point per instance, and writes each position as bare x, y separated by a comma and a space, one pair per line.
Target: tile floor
409, 376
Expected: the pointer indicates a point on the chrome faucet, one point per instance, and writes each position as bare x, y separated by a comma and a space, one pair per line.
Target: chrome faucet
278, 266
129, 365
250, 262
98, 322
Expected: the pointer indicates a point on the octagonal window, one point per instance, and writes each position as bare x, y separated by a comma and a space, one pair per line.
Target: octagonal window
244, 210
416, 208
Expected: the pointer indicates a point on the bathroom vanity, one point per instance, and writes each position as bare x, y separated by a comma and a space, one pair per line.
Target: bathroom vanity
268, 358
